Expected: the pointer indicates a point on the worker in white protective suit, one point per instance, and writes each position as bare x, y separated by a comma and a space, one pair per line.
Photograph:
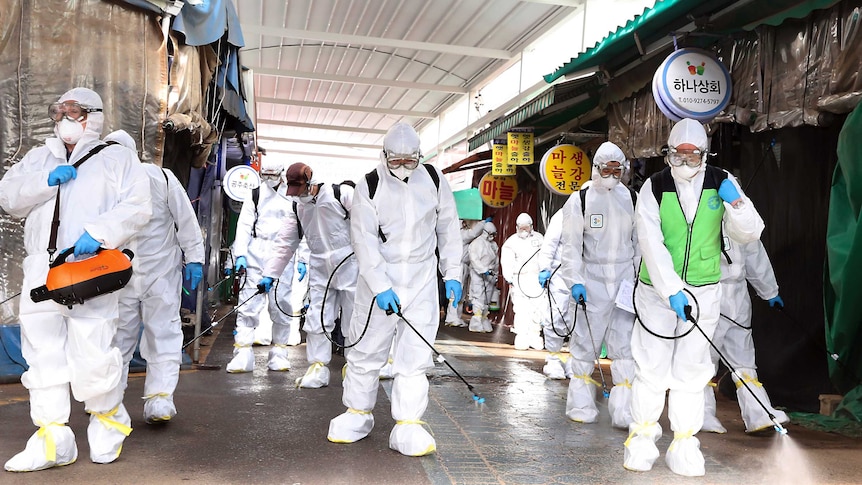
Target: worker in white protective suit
256, 233
519, 262
470, 230
324, 218
151, 298
102, 203
558, 324
680, 268
402, 212
598, 264
742, 264
483, 278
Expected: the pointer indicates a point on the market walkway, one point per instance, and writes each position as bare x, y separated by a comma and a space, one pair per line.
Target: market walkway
258, 428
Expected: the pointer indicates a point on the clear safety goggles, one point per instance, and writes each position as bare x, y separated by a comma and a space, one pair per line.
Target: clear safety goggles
270, 176
692, 158
394, 160
606, 170
71, 110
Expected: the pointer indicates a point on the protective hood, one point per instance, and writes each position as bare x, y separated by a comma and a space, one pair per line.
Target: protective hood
123, 138
688, 131
609, 152
490, 228
95, 120
401, 141
523, 219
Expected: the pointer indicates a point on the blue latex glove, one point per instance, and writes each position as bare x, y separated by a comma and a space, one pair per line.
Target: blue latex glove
302, 269
678, 303
61, 175
453, 287
241, 264
194, 273
489, 218
578, 292
265, 284
776, 302
488, 273
727, 191
388, 300
86, 244
544, 276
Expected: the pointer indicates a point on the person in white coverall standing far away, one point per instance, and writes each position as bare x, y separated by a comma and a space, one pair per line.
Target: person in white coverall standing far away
323, 217
470, 230
519, 262
598, 264
680, 268
402, 212
256, 232
151, 298
103, 202
484, 265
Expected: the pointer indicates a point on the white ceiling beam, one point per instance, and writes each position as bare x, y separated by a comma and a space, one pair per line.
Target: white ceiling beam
314, 126
561, 3
346, 107
317, 76
318, 142
324, 155
459, 50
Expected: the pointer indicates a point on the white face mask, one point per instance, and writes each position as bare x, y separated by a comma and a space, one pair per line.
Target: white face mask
606, 182
523, 234
684, 172
272, 183
401, 172
306, 197
70, 131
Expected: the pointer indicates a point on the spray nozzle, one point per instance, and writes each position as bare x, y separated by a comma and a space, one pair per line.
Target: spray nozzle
687, 310
778, 428
390, 311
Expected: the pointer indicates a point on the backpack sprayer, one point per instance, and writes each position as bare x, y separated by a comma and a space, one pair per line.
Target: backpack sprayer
74, 282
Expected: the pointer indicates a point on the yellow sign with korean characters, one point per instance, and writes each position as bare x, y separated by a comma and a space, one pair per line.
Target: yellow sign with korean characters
498, 191
564, 169
520, 145
499, 158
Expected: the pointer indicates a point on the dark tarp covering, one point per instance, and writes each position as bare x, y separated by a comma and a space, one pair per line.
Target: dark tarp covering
843, 275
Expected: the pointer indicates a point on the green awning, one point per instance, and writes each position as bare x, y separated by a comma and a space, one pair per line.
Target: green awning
620, 48
557, 93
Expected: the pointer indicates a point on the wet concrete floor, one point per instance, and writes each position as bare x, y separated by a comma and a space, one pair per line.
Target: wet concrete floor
258, 428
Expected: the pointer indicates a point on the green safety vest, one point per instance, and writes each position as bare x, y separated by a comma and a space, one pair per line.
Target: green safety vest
695, 248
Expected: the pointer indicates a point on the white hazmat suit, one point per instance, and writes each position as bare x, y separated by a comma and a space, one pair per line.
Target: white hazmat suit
395, 234
256, 233
677, 256
470, 230
325, 222
109, 199
748, 263
601, 253
483, 278
519, 263
152, 297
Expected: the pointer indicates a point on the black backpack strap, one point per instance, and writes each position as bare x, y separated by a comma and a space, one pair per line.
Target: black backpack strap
255, 197
433, 173
298, 223
583, 194
55, 223
372, 178
336, 190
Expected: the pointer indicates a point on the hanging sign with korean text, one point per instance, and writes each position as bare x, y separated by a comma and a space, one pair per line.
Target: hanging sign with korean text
499, 158
240, 181
565, 169
520, 146
497, 190
691, 83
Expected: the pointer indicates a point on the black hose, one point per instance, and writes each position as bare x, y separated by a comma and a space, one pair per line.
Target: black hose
519, 276
260, 291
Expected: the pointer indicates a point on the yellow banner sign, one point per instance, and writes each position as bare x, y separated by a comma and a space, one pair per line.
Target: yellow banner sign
500, 162
520, 148
498, 191
564, 169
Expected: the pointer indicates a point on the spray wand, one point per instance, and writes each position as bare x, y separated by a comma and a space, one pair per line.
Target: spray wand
440, 357
778, 427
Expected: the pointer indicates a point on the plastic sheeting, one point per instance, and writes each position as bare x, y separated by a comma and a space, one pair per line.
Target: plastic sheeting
843, 275
637, 126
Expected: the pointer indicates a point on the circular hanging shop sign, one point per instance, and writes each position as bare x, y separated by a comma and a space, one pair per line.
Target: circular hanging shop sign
565, 169
498, 190
691, 83
240, 181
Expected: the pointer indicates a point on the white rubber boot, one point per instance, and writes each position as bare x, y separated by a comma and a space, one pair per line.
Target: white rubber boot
350, 426
243, 354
